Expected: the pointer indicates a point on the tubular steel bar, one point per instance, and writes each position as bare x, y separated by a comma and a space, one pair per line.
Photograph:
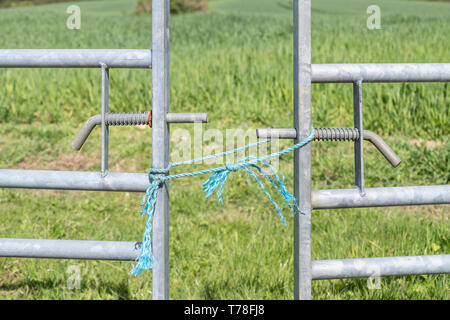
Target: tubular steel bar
73, 180
302, 156
139, 58
139, 182
75, 58
129, 251
69, 249
381, 197
160, 145
382, 146
276, 133
105, 110
359, 146
380, 267
381, 72
187, 117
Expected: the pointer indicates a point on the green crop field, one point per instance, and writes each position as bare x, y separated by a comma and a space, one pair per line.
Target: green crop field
234, 62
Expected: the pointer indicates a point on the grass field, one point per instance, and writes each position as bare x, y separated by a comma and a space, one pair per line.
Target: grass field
234, 62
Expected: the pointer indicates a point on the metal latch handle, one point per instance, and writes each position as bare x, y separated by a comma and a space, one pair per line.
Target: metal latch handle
335, 134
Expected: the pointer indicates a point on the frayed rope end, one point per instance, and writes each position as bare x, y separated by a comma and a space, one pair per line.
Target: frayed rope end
217, 180
144, 262
145, 259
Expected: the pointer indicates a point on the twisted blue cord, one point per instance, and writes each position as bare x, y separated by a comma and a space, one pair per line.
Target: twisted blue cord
215, 183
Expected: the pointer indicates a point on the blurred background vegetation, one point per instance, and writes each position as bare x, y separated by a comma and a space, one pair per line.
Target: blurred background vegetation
144, 7
20, 3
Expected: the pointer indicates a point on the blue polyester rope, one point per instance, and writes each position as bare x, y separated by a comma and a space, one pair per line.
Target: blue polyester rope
215, 183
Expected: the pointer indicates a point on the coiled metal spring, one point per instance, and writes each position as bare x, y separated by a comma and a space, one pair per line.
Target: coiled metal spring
132, 119
336, 134
126, 119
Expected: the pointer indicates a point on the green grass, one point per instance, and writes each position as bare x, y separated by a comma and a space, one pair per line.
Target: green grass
234, 62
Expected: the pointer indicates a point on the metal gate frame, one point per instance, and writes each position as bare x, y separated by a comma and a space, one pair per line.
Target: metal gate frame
305, 74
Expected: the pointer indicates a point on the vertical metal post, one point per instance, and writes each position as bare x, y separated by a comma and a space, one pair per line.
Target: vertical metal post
358, 123
160, 144
105, 109
302, 156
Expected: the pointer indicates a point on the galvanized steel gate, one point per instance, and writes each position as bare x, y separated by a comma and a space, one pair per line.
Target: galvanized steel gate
305, 73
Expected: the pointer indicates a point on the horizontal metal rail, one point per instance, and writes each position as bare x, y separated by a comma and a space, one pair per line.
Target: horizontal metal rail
74, 180
142, 58
69, 249
75, 58
380, 267
381, 72
129, 251
381, 197
139, 182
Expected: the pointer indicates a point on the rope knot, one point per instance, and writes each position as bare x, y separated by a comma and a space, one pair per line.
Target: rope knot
157, 176
157, 179
233, 166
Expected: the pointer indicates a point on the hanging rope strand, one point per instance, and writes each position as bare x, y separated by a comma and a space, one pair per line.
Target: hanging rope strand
215, 183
